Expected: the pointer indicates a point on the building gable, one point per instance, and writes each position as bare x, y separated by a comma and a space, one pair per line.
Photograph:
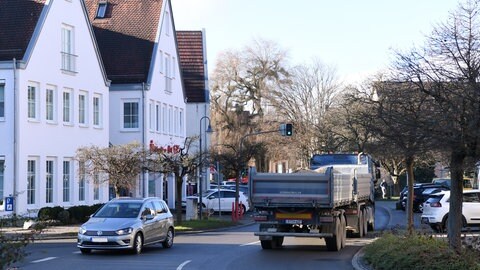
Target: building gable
126, 35
192, 61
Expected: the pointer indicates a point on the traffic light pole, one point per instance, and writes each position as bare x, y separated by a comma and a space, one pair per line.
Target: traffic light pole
239, 177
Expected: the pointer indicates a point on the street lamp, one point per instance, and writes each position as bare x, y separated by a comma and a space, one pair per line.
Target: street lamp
208, 130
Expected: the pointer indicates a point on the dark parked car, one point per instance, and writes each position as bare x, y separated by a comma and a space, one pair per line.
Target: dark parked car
420, 195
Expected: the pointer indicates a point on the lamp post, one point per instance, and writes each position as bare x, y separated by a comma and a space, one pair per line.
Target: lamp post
200, 182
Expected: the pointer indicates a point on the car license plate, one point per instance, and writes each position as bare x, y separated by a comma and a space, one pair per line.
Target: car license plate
293, 221
99, 239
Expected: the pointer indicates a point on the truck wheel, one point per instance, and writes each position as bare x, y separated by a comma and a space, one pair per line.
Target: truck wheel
365, 222
343, 228
371, 223
277, 241
335, 243
360, 226
266, 244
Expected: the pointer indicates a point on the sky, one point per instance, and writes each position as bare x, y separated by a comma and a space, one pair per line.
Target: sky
356, 37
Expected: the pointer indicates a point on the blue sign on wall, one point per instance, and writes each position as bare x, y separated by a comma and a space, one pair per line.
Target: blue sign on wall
9, 204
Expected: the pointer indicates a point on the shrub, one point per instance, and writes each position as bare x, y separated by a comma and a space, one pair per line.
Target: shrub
417, 252
64, 217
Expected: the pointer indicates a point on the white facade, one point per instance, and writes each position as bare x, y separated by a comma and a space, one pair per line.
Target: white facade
155, 110
56, 100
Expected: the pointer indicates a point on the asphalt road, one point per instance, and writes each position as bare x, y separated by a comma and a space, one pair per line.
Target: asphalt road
235, 248
231, 249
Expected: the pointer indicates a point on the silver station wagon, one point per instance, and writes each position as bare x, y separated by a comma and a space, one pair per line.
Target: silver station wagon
128, 223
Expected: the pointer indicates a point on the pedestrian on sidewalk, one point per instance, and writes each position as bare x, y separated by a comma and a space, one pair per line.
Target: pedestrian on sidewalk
383, 185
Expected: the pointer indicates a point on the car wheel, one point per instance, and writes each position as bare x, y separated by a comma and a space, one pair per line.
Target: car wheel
436, 228
168, 243
420, 208
445, 225
85, 250
137, 244
404, 205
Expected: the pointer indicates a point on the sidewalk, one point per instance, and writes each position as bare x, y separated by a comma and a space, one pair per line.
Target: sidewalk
71, 231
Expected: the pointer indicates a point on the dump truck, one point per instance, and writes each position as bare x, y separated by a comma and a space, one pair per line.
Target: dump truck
332, 199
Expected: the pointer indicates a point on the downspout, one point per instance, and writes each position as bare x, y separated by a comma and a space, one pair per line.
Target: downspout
143, 178
15, 133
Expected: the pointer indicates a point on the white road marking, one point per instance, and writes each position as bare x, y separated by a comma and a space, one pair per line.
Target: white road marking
76, 252
180, 267
44, 259
250, 244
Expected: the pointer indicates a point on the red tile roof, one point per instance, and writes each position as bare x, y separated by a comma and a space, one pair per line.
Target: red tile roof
18, 19
126, 37
190, 50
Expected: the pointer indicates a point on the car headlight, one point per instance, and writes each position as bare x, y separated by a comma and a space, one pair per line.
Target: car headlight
124, 231
82, 230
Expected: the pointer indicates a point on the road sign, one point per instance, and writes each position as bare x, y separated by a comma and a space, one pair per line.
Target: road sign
9, 204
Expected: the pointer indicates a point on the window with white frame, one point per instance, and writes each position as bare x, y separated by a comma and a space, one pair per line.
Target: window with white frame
130, 114
151, 114
68, 49
168, 75
31, 178
173, 67
180, 121
49, 181
102, 9
81, 181
67, 106
96, 187
82, 108
165, 120
50, 102
32, 96
2, 175
2, 100
158, 109
167, 23
160, 65
66, 180
170, 120
175, 122
97, 116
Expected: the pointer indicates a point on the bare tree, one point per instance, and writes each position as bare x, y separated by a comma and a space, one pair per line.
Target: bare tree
310, 92
447, 69
119, 164
174, 160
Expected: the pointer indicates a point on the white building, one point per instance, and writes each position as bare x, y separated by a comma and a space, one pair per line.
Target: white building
147, 101
193, 62
53, 99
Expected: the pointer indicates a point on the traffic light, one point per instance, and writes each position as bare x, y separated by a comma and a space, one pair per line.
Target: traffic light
288, 129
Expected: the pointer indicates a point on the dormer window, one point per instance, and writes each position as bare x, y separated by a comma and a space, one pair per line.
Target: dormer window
102, 9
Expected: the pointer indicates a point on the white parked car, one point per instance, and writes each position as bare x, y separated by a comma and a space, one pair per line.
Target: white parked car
223, 199
436, 208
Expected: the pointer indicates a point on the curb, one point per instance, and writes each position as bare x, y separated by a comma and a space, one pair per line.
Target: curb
357, 260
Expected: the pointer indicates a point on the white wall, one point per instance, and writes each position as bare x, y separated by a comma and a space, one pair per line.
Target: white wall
56, 140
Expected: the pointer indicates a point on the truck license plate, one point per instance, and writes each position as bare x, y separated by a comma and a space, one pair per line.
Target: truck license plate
293, 221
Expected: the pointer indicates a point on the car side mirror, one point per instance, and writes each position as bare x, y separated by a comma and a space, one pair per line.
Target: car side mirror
148, 217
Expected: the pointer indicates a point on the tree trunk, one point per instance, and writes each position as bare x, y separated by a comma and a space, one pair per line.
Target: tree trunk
117, 191
410, 181
455, 219
178, 198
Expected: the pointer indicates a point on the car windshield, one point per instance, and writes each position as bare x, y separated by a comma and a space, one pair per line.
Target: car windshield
119, 210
